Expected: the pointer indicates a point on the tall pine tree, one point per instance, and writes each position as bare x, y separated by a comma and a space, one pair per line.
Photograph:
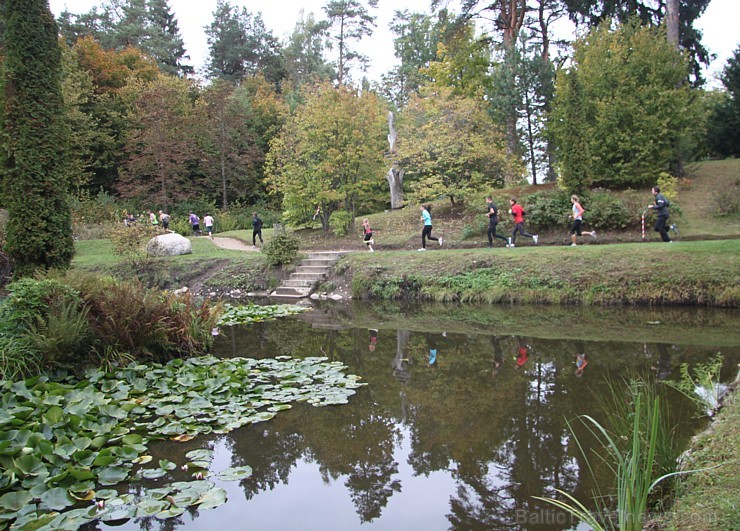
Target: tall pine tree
39, 234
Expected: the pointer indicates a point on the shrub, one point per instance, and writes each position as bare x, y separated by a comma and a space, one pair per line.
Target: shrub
604, 211
281, 249
29, 300
341, 222
546, 209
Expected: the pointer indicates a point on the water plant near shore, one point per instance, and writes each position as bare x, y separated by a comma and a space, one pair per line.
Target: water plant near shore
62, 440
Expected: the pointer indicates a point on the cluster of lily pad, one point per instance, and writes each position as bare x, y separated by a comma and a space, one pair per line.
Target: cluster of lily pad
62, 441
254, 313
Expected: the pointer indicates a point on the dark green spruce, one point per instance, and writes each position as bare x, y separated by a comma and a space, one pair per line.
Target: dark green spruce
39, 234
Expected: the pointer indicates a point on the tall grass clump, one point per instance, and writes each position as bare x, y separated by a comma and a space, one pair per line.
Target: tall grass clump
83, 320
636, 448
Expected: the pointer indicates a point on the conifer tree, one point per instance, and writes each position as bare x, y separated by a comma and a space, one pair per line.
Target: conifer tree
39, 234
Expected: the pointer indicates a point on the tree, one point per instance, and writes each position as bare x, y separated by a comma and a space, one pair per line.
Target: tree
330, 154
39, 234
160, 144
351, 21
448, 145
680, 24
637, 114
240, 45
148, 25
229, 145
724, 127
304, 53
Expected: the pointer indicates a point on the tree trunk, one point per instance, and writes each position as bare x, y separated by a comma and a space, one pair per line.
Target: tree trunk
395, 174
671, 20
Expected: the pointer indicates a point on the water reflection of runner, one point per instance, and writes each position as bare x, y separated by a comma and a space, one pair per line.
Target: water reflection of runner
373, 339
522, 354
581, 358
433, 348
663, 367
498, 355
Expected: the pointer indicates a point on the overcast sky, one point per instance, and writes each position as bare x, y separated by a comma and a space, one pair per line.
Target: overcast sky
719, 24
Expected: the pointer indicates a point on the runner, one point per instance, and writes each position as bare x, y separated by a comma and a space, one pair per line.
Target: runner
195, 223
368, 235
164, 219
426, 217
660, 205
492, 214
153, 219
208, 221
577, 215
256, 229
517, 211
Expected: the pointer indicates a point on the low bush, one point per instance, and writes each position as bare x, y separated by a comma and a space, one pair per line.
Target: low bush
546, 208
604, 211
341, 222
281, 249
81, 319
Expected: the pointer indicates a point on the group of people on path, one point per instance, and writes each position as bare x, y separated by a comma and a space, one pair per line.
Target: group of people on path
660, 205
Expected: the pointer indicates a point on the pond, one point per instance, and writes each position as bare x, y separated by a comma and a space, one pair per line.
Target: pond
462, 421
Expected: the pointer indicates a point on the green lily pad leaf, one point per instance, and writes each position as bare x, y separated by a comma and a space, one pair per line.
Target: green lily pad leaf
158, 494
235, 473
82, 443
15, 501
152, 473
150, 507
54, 415
212, 499
142, 459
166, 464
56, 499
81, 474
121, 513
105, 460
30, 465
170, 512
200, 455
112, 475
106, 494
132, 439
32, 523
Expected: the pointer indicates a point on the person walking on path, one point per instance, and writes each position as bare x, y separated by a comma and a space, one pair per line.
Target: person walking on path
577, 215
195, 223
368, 235
208, 222
517, 211
492, 214
426, 232
164, 219
660, 205
256, 229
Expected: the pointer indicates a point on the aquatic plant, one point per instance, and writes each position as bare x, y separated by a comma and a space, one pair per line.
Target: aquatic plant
254, 313
703, 388
61, 441
631, 459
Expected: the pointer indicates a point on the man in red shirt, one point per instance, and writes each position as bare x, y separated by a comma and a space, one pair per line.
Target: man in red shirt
518, 212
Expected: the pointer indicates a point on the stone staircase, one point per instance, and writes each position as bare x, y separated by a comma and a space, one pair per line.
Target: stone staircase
312, 270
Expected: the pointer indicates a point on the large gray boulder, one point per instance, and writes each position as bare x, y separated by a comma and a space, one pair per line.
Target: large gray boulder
169, 245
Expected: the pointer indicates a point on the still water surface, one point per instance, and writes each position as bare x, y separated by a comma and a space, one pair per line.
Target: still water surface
463, 419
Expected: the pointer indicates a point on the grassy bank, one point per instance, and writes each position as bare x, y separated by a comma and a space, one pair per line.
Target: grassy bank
710, 499
705, 273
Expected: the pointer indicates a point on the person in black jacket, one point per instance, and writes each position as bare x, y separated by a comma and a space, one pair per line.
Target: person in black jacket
660, 205
492, 214
256, 229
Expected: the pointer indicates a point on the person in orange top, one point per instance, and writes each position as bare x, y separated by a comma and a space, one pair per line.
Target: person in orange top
517, 211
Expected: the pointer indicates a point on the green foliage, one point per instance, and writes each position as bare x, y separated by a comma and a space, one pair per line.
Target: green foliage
631, 453
341, 222
606, 212
329, 154
546, 209
724, 124
130, 241
34, 182
83, 319
281, 249
622, 113
702, 384
255, 313
668, 186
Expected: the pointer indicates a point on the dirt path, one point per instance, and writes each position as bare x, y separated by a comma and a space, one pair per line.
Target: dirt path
234, 245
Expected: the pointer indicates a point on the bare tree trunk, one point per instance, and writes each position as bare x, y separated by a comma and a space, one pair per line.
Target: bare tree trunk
671, 20
395, 174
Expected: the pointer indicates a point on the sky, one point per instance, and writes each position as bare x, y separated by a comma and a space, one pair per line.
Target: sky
718, 23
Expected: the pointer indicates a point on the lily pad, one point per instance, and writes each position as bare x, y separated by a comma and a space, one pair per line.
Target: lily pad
235, 473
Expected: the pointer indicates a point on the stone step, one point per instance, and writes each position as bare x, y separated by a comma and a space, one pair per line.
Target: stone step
293, 283
307, 276
320, 270
290, 293
328, 255
317, 262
